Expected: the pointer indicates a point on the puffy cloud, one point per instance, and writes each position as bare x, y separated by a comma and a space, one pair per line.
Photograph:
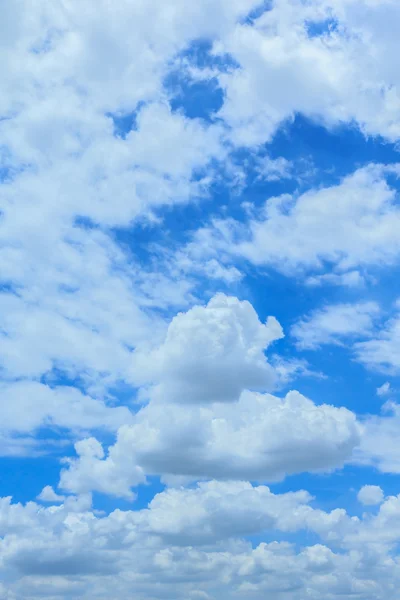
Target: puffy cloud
261, 437
328, 60
212, 353
370, 495
115, 475
69, 549
28, 405
76, 305
215, 511
334, 323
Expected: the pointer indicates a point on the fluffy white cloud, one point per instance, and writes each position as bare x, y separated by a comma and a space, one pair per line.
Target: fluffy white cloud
335, 323
370, 495
49, 495
212, 353
184, 541
261, 437
77, 307
215, 511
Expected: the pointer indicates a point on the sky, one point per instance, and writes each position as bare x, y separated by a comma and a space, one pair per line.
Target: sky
200, 300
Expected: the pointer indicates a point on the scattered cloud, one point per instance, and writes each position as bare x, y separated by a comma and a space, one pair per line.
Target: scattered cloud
335, 323
370, 495
384, 390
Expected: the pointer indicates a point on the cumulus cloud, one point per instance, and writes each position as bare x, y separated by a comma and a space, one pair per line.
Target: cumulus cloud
86, 308
69, 549
370, 495
212, 353
261, 437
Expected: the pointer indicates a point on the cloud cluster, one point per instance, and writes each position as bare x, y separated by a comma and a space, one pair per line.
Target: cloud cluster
94, 150
186, 540
210, 358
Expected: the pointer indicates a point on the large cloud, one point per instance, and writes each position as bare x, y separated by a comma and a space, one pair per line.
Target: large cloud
69, 550
314, 58
261, 437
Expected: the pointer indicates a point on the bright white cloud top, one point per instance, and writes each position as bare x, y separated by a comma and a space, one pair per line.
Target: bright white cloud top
199, 300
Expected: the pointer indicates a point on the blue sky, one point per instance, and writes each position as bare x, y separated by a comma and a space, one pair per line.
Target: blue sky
200, 301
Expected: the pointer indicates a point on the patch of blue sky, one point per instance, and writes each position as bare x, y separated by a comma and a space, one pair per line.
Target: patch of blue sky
125, 122
195, 99
298, 539
23, 478
258, 11
200, 54
323, 27
144, 495
339, 488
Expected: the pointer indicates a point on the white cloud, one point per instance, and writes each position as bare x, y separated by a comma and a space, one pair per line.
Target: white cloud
379, 446
370, 495
211, 354
77, 306
346, 74
28, 405
290, 369
351, 279
344, 226
335, 323
384, 390
381, 352
186, 541
261, 437
49, 495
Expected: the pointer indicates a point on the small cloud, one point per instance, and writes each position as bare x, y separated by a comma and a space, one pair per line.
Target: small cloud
335, 323
49, 495
384, 390
350, 279
271, 169
291, 369
370, 495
